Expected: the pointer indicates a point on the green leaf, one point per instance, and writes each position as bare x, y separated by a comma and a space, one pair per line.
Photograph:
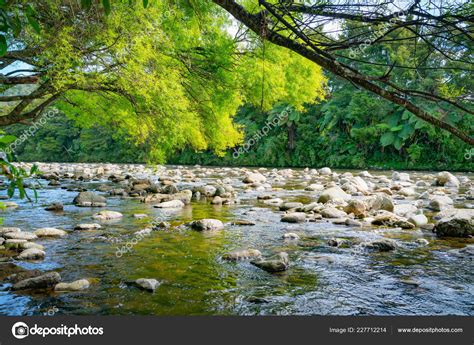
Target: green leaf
392, 120
396, 129
406, 131
7, 139
11, 189
145, 3
406, 115
413, 119
21, 188
3, 45
106, 4
387, 139
398, 143
420, 124
31, 14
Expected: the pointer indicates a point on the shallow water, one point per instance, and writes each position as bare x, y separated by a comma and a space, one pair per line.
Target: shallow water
322, 280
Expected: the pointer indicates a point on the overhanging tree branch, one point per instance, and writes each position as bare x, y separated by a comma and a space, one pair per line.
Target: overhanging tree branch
303, 46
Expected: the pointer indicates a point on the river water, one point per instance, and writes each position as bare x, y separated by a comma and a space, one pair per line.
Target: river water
322, 280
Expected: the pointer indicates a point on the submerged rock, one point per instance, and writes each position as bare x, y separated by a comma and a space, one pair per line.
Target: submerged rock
107, 215
338, 242
207, 225
291, 236
243, 222
44, 281
242, 255
278, 264
91, 226
31, 254
50, 232
392, 220
89, 199
56, 207
147, 284
77, 285
170, 204
294, 217
382, 245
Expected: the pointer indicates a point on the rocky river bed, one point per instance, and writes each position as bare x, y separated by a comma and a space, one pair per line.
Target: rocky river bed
106, 239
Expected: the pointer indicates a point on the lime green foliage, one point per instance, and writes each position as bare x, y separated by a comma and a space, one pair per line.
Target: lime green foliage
164, 77
14, 175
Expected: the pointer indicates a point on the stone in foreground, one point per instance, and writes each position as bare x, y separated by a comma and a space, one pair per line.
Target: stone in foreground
458, 223
89, 199
207, 225
383, 245
279, 264
50, 232
170, 204
78, 285
44, 281
333, 193
90, 226
21, 235
107, 215
242, 255
147, 284
31, 254
294, 217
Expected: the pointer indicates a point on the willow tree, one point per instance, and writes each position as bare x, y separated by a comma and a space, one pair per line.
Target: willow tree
169, 75
317, 30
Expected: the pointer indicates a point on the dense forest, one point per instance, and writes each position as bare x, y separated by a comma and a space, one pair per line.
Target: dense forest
351, 129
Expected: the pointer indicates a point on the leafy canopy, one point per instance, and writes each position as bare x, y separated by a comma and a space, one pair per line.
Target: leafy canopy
168, 75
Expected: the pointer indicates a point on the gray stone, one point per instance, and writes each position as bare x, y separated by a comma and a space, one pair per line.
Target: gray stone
459, 223
20, 236
78, 285
89, 199
333, 193
50, 232
278, 264
382, 245
294, 217
170, 204
91, 226
147, 284
44, 281
440, 202
31, 254
207, 225
107, 215
242, 255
